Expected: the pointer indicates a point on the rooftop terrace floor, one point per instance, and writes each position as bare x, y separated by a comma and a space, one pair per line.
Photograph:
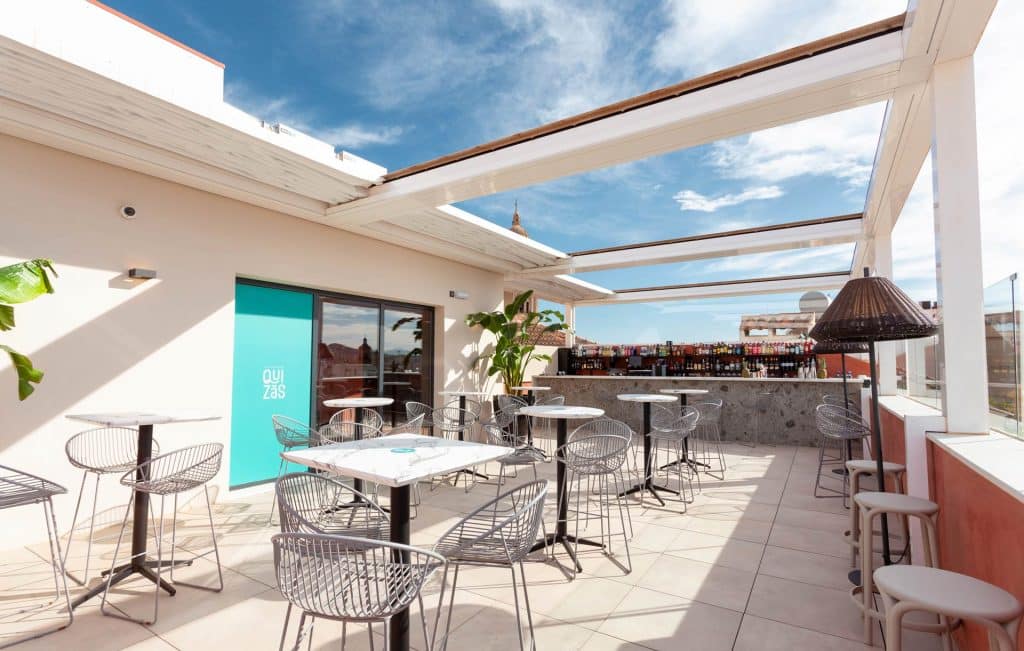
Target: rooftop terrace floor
757, 563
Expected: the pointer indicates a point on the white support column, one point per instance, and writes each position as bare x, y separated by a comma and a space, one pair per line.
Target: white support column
958, 261
885, 351
570, 319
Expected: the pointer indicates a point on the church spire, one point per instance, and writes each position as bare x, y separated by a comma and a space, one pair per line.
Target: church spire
517, 227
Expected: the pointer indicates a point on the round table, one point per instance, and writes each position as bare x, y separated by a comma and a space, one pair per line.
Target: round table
648, 482
359, 404
563, 414
462, 395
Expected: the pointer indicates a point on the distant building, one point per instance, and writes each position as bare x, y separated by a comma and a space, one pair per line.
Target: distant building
782, 326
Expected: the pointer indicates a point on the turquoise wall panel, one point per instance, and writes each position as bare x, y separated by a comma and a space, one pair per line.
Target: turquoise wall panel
272, 369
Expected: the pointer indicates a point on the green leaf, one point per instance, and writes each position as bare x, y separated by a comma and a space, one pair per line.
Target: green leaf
6, 317
25, 281
27, 374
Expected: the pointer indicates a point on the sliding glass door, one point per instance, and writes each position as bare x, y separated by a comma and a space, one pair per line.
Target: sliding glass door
370, 348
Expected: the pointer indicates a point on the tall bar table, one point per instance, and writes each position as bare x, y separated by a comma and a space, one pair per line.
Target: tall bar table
563, 414
144, 421
648, 480
397, 461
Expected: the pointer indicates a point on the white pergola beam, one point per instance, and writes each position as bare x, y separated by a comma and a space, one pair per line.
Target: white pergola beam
852, 75
725, 289
834, 230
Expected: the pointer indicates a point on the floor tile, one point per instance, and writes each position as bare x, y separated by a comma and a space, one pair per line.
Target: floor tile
711, 584
660, 621
829, 543
807, 567
730, 552
825, 610
757, 634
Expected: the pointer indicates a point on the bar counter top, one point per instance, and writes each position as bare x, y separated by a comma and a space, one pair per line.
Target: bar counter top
790, 419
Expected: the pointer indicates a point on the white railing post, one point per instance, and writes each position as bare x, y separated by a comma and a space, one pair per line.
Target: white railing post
570, 320
958, 261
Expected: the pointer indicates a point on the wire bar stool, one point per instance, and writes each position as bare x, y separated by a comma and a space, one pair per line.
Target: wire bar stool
290, 434
415, 409
349, 580
315, 503
547, 426
371, 417
707, 438
520, 455
837, 427
101, 451
499, 534
170, 474
22, 489
596, 454
672, 433
452, 422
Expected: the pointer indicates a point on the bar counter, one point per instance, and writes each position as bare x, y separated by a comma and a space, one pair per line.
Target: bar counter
792, 417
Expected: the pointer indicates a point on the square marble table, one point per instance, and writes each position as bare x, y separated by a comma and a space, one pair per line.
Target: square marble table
397, 461
144, 421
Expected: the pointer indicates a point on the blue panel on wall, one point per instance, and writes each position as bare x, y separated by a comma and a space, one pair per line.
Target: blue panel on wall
272, 368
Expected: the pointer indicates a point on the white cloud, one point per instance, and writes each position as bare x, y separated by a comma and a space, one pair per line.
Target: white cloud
703, 35
285, 109
691, 200
841, 145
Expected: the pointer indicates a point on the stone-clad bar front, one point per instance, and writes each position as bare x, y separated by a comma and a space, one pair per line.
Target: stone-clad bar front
791, 418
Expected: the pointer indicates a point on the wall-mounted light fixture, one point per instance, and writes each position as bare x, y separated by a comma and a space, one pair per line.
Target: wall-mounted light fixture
458, 294
141, 274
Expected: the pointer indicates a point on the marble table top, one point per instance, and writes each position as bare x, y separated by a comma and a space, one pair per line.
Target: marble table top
137, 418
397, 460
684, 392
531, 388
645, 397
358, 402
462, 393
567, 412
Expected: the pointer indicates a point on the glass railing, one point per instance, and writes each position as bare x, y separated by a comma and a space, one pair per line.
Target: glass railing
917, 370
1002, 343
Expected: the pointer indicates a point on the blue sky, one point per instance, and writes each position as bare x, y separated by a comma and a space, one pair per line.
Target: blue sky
402, 82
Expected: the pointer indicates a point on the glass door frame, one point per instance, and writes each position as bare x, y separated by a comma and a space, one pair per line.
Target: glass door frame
382, 305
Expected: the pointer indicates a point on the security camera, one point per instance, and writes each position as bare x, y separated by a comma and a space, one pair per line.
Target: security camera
128, 212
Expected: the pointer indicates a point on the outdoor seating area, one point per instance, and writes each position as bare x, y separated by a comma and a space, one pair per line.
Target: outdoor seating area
742, 373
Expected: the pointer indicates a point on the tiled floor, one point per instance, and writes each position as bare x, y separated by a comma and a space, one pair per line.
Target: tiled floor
755, 564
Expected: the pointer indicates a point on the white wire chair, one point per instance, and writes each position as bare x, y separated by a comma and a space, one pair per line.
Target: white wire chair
765, 420
170, 474
672, 431
519, 457
343, 431
314, 503
290, 434
415, 409
371, 417
500, 533
596, 455
838, 426
706, 442
546, 425
22, 489
101, 451
349, 580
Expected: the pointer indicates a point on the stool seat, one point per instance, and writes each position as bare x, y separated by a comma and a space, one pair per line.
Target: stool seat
895, 503
948, 593
870, 465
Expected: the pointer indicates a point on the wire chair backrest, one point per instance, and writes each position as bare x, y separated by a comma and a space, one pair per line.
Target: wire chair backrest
414, 409
292, 433
498, 435
177, 471
506, 402
503, 530
710, 411
105, 449
310, 502
663, 418
19, 488
595, 454
836, 422
370, 417
453, 419
345, 577
601, 425
474, 407
764, 402
345, 431
412, 426
839, 401
509, 420
552, 400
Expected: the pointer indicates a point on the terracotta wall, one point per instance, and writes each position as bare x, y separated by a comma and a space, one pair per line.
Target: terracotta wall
894, 444
854, 365
980, 531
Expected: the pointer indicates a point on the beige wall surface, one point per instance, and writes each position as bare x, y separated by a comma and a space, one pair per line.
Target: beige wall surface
107, 343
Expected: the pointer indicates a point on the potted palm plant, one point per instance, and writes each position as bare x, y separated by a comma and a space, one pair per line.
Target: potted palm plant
20, 283
517, 334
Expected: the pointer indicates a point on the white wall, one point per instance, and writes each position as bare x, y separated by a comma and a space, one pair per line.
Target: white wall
106, 343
